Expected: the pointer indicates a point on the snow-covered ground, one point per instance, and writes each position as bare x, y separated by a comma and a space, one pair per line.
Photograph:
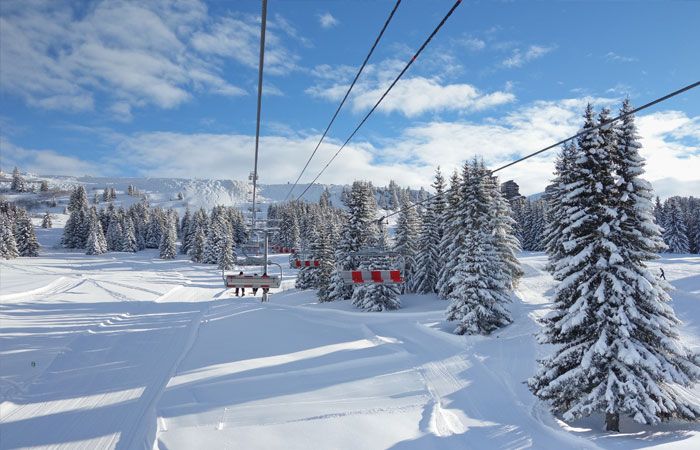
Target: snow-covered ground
128, 351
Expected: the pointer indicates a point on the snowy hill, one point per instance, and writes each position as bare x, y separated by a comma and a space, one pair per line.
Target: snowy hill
164, 192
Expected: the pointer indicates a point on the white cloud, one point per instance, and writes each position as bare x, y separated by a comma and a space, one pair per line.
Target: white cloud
473, 44
671, 145
519, 57
410, 96
134, 53
327, 20
417, 95
238, 37
612, 56
45, 162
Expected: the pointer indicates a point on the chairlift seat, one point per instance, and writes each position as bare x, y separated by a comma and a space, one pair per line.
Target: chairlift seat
252, 281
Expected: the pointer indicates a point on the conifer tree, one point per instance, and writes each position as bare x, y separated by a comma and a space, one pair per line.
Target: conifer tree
227, 258
377, 296
196, 250
184, 231
307, 277
96, 242
27, 245
360, 230
428, 259
675, 233
618, 350
407, 237
8, 243
115, 233
558, 218
154, 232
326, 259
482, 278
452, 238
18, 183
44, 187
501, 223
46, 221
167, 241
129, 243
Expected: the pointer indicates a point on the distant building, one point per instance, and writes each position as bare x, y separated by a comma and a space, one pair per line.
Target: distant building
510, 190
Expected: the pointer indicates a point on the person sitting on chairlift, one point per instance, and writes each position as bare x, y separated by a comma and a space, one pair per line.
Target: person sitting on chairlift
265, 289
240, 274
255, 290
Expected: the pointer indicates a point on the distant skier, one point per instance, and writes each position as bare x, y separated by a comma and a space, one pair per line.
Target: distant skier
663, 275
240, 274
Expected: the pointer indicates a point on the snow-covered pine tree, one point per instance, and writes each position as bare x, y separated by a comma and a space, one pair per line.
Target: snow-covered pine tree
359, 231
453, 235
75, 232
199, 228
27, 245
167, 241
96, 242
377, 296
325, 200
46, 221
326, 259
196, 250
307, 277
185, 235
18, 183
115, 235
155, 229
8, 243
659, 213
558, 218
618, 349
501, 225
227, 258
428, 259
481, 279
129, 243
215, 234
675, 234
407, 240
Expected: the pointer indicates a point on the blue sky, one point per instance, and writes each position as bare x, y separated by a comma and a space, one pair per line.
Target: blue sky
161, 88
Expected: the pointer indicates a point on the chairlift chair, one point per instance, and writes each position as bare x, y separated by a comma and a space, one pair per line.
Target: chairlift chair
235, 280
299, 261
393, 275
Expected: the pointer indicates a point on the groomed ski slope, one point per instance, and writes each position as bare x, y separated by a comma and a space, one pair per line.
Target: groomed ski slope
130, 351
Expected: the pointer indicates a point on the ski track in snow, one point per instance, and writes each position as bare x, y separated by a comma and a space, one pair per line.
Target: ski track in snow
134, 352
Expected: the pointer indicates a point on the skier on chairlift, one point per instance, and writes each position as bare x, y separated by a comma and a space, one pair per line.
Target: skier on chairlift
255, 290
240, 274
265, 289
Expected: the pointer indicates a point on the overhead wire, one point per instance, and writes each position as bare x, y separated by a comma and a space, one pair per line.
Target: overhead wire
563, 141
391, 86
263, 22
347, 93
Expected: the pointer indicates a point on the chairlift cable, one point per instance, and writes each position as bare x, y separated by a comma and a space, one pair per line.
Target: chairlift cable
347, 93
391, 86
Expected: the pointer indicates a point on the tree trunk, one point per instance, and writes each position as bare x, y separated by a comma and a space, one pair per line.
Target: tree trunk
612, 422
